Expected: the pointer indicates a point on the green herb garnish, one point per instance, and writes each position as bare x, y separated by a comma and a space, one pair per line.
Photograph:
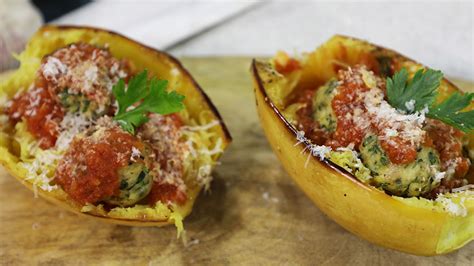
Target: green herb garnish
449, 111
141, 97
421, 91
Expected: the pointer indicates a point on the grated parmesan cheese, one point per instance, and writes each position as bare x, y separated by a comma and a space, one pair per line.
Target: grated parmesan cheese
71, 125
454, 209
319, 151
53, 67
393, 122
439, 176
410, 105
463, 188
204, 176
41, 170
135, 154
91, 75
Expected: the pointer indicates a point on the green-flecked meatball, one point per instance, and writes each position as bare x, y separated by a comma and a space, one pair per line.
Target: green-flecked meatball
74, 103
413, 179
135, 180
322, 109
135, 183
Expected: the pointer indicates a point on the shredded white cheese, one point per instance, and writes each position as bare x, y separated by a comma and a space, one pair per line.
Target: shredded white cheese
395, 123
41, 170
91, 75
71, 125
319, 151
454, 209
53, 67
463, 188
410, 105
135, 154
439, 176
204, 176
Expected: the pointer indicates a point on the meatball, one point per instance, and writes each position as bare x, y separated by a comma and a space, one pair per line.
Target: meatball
106, 164
135, 184
322, 108
412, 179
81, 76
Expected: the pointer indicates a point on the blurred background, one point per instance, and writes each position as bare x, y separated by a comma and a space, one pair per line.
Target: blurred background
437, 33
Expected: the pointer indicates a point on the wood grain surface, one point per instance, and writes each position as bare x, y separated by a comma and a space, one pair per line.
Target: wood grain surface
253, 215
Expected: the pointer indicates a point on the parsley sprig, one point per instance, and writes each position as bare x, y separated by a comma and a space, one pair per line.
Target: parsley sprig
421, 92
141, 97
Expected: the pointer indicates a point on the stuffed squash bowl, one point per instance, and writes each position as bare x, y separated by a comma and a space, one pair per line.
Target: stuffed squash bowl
380, 143
109, 128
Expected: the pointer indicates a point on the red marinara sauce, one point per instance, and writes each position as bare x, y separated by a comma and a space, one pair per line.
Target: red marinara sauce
353, 120
166, 193
41, 113
88, 172
66, 68
306, 123
399, 151
344, 103
347, 101
447, 141
285, 64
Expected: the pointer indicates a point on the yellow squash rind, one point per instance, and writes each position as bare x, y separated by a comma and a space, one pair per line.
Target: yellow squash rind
412, 225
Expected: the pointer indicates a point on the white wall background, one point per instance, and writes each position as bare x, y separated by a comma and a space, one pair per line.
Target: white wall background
436, 33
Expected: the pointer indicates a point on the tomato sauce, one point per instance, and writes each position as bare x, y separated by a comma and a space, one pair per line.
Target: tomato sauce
347, 102
41, 113
344, 104
40, 106
163, 134
169, 192
447, 141
83, 69
305, 118
285, 64
290, 66
166, 193
88, 172
399, 151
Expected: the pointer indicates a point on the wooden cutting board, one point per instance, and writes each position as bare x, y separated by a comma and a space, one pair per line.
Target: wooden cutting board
254, 213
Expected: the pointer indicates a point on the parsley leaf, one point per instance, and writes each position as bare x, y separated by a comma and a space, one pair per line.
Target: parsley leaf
421, 91
449, 111
141, 97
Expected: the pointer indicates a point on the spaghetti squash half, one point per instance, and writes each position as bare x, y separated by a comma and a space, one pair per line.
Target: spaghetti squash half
358, 128
107, 127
